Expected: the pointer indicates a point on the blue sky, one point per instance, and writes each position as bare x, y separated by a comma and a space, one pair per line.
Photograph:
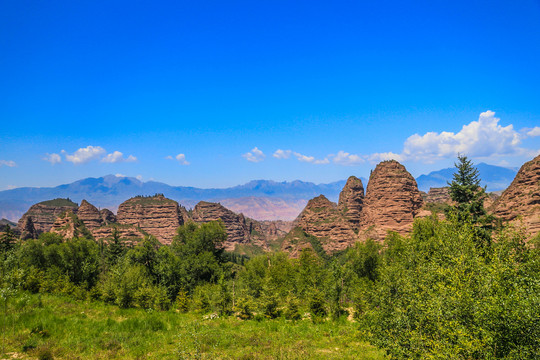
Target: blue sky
336, 86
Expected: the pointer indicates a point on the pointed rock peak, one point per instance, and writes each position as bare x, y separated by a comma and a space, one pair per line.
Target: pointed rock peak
86, 205
522, 198
351, 200
107, 216
392, 199
319, 201
90, 215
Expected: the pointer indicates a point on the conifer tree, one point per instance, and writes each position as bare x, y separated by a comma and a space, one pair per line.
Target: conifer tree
469, 196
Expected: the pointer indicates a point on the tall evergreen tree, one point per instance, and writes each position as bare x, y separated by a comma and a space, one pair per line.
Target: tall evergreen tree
469, 196
7, 239
116, 247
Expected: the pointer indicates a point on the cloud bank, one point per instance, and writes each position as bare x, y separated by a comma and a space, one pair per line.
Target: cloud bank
482, 138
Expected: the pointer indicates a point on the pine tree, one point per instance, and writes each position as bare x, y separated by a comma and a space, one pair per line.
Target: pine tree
116, 247
7, 239
469, 196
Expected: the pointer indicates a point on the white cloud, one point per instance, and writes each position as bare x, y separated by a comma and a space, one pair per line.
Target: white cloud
120, 175
534, 132
139, 177
378, 157
117, 157
345, 158
482, 138
282, 154
181, 158
255, 155
83, 155
8, 163
52, 158
311, 159
11, 187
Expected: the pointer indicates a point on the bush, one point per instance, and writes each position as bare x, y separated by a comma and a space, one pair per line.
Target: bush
317, 307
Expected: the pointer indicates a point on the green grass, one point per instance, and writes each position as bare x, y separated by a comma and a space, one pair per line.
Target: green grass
35, 326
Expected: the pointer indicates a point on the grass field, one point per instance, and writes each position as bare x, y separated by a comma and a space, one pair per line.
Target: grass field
53, 327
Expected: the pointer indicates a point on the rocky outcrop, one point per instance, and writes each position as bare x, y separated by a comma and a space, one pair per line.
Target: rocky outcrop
27, 229
322, 219
156, 215
392, 200
438, 195
351, 200
129, 234
296, 241
70, 226
45, 213
275, 229
107, 216
90, 215
238, 230
520, 202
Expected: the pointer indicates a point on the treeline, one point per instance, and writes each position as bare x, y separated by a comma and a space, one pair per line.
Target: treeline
441, 292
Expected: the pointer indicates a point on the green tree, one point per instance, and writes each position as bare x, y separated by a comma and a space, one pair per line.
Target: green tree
469, 196
7, 239
116, 248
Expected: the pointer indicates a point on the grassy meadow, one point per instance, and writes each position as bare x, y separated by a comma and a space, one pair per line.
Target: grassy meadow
44, 326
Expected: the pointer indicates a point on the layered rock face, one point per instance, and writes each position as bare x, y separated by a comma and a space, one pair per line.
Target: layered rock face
322, 219
351, 200
69, 226
128, 233
156, 215
90, 215
107, 216
521, 200
392, 200
438, 195
45, 213
28, 230
238, 231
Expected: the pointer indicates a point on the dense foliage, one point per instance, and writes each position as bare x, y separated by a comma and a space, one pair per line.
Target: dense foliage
453, 289
435, 294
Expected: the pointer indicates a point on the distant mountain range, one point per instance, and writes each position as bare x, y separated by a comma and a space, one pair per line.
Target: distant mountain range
494, 177
259, 199
110, 191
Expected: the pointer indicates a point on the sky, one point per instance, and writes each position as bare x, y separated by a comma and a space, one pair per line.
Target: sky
215, 94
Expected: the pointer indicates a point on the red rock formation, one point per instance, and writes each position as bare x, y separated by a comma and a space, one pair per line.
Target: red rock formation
238, 231
322, 219
90, 215
438, 195
107, 216
128, 233
351, 200
45, 213
296, 241
520, 202
70, 226
392, 200
28, 231
156, 215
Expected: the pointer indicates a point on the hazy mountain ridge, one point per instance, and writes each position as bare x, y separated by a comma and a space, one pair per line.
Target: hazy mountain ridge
256, 199
109, 191
496, 178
